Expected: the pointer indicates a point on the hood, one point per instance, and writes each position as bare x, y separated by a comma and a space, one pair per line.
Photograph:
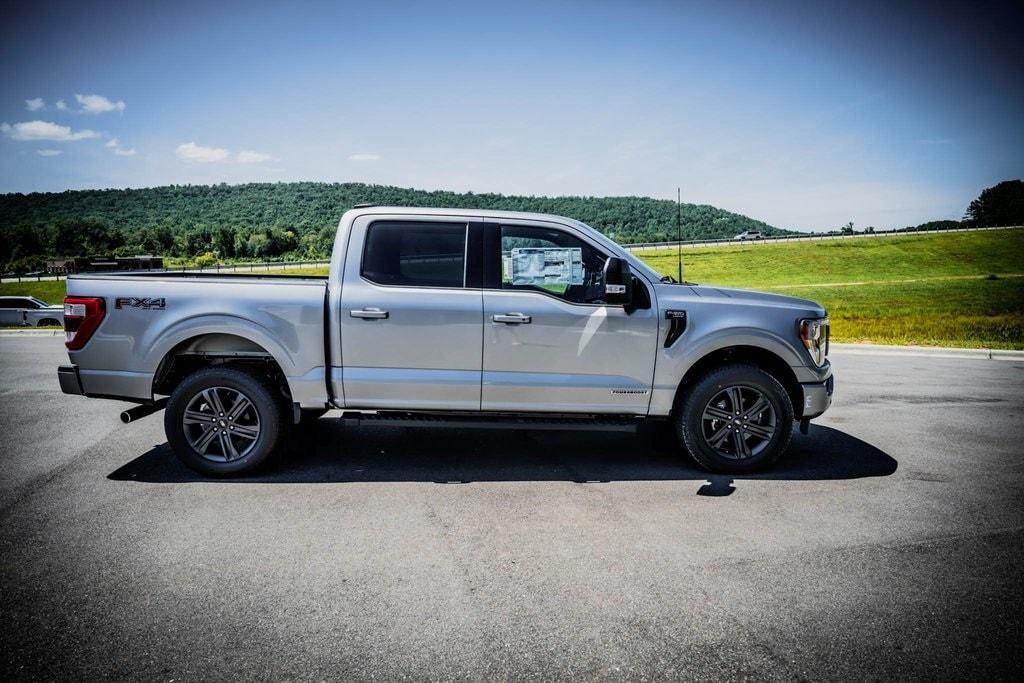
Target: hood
743, 296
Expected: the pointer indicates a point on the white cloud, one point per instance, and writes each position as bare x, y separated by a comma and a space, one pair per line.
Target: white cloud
249, 157
62, 105
98, 104
44, 130
35, 104
48, 152
190, 151
363, 157
119, 149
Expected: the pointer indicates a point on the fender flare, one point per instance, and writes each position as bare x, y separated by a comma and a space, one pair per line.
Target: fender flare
728, 337
166, 340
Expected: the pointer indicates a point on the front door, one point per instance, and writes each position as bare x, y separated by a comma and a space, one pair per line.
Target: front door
410, 327
550, 342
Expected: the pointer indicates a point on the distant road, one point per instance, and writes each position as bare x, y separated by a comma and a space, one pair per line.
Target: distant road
643, 246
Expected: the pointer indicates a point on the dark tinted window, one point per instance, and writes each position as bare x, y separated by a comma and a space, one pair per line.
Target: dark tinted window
16, 303
553, 262
415, 254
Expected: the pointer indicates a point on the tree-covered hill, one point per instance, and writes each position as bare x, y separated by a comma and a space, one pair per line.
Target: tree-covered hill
292, 219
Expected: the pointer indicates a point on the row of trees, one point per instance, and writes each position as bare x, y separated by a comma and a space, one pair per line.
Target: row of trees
291, 220
25, 249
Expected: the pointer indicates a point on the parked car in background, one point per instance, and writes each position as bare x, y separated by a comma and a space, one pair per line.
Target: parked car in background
29, 311
749, 235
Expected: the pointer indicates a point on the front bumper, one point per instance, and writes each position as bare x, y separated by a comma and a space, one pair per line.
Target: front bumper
70, 382
817, 397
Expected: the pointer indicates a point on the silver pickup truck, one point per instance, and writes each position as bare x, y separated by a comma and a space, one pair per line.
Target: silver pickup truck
445, 316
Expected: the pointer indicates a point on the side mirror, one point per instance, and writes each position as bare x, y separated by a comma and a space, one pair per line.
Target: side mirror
618, 282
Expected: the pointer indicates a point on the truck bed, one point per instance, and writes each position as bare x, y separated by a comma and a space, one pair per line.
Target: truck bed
151, 315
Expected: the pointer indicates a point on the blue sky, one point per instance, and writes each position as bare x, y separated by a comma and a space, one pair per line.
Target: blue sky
806, 115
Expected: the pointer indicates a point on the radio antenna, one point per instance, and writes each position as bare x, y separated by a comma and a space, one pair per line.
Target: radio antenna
679, 233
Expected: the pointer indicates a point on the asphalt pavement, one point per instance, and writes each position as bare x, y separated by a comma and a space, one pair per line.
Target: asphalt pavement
887, 543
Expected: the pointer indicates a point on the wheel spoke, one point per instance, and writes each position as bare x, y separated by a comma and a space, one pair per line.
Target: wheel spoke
713, 412
240, 406
204, 441
736, 398
245, 432
760, 431
228, 448
195, 417
213, 399
718, 438
759, 405
742, 449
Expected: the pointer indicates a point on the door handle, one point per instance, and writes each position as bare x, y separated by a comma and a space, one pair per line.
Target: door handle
511, 318
369, 314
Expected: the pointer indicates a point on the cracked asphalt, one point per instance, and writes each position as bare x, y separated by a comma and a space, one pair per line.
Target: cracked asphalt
887, 543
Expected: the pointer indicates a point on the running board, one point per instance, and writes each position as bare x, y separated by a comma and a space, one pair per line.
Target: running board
596, 423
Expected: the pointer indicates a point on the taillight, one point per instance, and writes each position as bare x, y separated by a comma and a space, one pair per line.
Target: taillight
82, 315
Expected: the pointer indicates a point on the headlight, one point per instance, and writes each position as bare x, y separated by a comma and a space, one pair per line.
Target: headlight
814, 334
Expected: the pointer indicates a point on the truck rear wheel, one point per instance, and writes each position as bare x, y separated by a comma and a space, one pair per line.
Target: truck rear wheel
222, 421
736, 419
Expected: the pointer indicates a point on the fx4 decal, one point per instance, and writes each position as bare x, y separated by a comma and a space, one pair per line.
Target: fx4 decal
140, 302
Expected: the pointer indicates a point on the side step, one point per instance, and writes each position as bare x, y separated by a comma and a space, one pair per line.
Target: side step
590, 423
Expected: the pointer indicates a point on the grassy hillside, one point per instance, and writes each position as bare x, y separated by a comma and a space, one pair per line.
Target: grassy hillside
957, 289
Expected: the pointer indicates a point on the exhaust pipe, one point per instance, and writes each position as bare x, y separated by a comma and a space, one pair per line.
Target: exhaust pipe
139, 412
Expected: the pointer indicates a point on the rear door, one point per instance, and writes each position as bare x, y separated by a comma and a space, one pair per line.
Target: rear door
551, 344
411, 314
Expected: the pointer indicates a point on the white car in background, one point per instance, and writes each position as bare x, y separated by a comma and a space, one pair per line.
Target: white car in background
28, 311
749, 235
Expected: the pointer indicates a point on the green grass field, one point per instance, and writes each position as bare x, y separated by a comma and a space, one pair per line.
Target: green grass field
50, 291
955, 289
932, 290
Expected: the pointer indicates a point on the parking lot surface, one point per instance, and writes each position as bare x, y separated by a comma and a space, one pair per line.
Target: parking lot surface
888, 542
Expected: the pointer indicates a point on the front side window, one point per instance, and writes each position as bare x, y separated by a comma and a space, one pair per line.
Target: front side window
415, 254
553, 262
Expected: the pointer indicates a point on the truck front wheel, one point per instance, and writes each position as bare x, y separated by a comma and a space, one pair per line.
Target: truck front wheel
223, 421
736, 419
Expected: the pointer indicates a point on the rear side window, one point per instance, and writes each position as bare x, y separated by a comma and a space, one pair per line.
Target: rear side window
415, 254
16, 303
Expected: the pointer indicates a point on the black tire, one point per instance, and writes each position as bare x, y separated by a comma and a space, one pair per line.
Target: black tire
752, 439
265, 415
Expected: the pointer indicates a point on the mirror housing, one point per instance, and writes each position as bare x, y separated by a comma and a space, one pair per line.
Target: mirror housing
618, 282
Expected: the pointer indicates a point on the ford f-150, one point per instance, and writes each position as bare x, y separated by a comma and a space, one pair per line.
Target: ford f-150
445, 316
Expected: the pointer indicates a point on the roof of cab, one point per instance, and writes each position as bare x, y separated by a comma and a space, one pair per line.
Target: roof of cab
470, 213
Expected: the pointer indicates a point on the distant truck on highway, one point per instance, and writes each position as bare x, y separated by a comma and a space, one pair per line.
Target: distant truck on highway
749, 235
451, 317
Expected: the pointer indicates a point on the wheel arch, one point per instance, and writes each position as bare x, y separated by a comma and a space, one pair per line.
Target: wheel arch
757, 356
210, 349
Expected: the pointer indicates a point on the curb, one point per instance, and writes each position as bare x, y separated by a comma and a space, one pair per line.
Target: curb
32, 332
930, 351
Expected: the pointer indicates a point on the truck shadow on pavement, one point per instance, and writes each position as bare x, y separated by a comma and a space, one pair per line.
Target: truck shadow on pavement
337, 454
